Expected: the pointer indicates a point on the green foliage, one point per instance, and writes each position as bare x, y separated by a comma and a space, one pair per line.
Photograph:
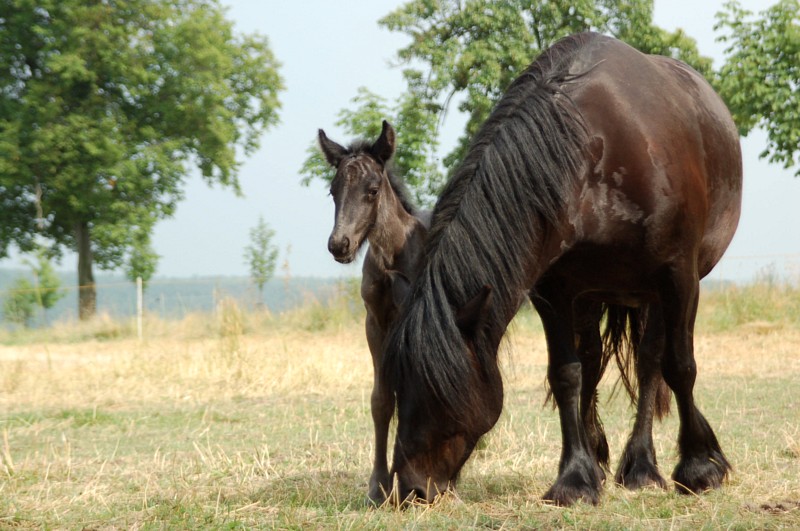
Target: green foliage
767, 304
343, 309
475, 49
19, 304
362, 122
261, 255
46, 282
416, 128
106, 105
142, 259
760, 79
25, 296
471, 51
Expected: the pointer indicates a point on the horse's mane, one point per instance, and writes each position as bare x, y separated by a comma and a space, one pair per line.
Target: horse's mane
362, 147
486, 225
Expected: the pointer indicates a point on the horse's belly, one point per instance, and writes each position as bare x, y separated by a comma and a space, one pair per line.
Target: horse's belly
623, 270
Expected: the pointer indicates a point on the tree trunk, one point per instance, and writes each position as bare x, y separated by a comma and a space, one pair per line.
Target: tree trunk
87, 294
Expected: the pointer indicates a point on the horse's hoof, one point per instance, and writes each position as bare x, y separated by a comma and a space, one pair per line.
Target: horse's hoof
564, 496
700, 473
579, 484
378, 492
638, 475
375, 498
373, 502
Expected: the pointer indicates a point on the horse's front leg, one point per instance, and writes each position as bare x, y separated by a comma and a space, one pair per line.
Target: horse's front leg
579, 475
590, 353
382, 407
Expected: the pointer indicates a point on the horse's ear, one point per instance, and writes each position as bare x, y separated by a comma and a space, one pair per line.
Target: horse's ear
334, 153
383, 148
469, 316
401, 287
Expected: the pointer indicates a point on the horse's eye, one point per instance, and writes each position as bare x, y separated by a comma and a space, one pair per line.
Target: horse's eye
372, 193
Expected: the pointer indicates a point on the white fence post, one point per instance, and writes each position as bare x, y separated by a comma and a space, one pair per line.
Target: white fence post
139, 307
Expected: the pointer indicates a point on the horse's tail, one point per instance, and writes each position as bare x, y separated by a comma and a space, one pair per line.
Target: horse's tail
624, 327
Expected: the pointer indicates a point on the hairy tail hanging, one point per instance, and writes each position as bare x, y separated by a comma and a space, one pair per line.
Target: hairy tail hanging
624, 327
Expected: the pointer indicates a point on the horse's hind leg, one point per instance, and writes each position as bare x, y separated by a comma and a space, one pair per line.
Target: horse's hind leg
382, 407
702, 464
638, 466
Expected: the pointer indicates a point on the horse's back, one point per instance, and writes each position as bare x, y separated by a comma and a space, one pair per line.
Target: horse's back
665, 163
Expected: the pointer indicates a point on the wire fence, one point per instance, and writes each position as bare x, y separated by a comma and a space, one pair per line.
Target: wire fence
777, 268
171, 298
174, 298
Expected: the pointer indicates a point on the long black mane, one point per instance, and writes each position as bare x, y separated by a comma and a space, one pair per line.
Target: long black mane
486, 226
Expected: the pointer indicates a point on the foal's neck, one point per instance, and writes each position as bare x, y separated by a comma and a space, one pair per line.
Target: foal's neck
389, 237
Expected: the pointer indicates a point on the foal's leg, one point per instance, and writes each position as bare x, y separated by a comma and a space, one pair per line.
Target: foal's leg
579, 475
590, 353
702, 464
382, 406
638, 466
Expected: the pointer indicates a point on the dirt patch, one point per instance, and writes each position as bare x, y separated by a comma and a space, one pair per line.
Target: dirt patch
782, 507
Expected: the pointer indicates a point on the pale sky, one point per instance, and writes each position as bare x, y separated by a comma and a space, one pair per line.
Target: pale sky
327, 51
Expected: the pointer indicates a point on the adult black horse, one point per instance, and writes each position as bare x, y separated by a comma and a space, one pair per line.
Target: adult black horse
603, 175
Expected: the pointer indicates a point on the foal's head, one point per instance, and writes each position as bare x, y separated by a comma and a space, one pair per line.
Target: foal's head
360, 182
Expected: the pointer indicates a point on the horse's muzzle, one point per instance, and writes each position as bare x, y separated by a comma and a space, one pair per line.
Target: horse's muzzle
340, 249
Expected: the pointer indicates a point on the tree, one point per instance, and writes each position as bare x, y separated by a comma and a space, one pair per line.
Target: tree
19, 304
760, 80
46, 283
142, 259
415, 156
105, 106
261, 255
470, 51
25, 296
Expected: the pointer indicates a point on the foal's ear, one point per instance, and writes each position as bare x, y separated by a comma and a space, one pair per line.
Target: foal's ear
383, 148
401, 287
469, 316
334, 153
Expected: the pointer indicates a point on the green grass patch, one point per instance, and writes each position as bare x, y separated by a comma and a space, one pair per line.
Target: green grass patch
762, 306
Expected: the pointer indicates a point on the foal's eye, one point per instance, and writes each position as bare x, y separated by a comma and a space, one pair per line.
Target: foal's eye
372, 193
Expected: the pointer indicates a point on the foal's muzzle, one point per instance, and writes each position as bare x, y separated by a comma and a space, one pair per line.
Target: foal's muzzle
340, 249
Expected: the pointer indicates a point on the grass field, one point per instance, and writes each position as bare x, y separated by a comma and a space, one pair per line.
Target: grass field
253, 421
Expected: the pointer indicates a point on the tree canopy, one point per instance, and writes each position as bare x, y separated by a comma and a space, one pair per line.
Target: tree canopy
760, 79
105, 107
469, 51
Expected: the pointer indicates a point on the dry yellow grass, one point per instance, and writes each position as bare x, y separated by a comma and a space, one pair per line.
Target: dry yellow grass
103, 372
257, 422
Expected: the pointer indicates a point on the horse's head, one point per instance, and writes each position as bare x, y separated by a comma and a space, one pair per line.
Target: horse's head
438, 426
360, 182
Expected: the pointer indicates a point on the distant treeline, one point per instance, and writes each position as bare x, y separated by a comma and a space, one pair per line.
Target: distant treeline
175, 297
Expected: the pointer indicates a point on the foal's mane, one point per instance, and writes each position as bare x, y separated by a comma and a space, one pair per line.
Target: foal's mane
363, 147
486, 225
